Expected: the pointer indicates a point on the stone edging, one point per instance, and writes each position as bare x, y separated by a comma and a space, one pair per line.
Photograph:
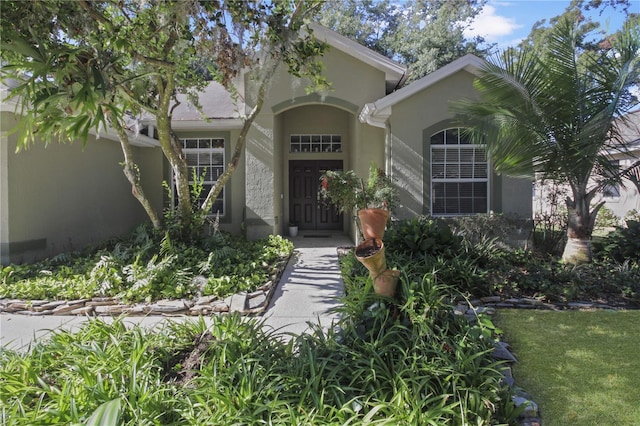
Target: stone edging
531, 413
245, 303
533, 303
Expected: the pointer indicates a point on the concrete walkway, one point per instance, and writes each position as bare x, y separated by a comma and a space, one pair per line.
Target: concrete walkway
307, 292
310, 285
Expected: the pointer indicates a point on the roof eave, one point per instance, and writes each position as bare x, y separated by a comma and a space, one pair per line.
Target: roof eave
204, 124
12, 106
374, 117
380, 110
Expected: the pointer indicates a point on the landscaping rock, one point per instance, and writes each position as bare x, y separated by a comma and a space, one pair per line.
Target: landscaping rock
257, 301
67, 308
199, 283
102, 301
50, 306
507, 376
491, 299
220, 307
85, 310
501, 351
112, 309
238, 302
205, 300
167, 307
530, 407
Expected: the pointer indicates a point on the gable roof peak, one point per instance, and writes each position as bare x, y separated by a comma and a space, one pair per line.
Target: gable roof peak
395, 73
376, 113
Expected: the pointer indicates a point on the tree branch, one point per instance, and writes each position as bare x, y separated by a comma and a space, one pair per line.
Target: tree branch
84, 4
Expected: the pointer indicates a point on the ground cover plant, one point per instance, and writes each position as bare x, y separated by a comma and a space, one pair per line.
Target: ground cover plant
473, 256
410, 360
148, 265
580, 367
384, 363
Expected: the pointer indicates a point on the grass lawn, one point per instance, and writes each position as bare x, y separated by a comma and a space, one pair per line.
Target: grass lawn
581, 367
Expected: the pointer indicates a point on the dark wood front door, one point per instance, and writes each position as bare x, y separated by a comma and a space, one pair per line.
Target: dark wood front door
306, 207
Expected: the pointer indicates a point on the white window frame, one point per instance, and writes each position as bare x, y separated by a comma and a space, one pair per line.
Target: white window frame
199, 149
455, 171
316, 143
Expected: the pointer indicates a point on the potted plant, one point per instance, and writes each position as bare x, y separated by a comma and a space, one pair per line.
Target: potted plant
372, 199
293, 229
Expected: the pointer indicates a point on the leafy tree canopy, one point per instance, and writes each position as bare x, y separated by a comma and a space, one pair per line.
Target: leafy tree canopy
541, 30
83, 65
422, 34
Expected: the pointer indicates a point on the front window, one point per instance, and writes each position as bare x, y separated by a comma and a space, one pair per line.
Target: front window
459, 175
205, 157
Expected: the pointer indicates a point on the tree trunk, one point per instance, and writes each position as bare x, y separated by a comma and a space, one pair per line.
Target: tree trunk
579, 229
240, 144
132, 172
173, 151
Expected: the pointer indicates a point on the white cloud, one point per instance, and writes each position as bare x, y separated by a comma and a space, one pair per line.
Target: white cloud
491, 26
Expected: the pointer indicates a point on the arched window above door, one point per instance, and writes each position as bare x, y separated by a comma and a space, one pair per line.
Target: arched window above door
459, 175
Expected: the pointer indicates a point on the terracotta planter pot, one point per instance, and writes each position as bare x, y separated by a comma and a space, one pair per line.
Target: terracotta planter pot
385, 284
371, 254
373, 222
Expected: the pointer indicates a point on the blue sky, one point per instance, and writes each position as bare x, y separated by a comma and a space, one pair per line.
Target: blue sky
508, 22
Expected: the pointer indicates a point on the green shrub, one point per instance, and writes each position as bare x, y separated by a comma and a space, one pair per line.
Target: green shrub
505, 231
632, 214
420, 365
621, 244
422, 235
606, 219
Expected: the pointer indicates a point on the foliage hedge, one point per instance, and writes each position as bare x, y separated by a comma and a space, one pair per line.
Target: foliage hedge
462, 255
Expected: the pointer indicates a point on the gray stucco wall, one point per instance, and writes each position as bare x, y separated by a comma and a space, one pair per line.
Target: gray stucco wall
62, 197
267, 156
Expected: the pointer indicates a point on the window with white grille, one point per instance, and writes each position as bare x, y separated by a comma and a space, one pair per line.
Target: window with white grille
206, 157
315, 143
459, 175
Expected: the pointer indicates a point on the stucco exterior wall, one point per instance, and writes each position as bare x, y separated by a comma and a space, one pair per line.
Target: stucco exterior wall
428, 109
351, 80
412, 123
515, 197
260, 163
290, 109
63, 197
628, 198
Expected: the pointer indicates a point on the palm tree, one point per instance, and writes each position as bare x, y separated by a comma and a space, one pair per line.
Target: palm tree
551, 111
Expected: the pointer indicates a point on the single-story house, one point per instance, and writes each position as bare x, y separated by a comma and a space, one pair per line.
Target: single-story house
65, 196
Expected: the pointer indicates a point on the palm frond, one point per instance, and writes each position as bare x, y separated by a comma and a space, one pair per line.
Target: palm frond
551, 111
